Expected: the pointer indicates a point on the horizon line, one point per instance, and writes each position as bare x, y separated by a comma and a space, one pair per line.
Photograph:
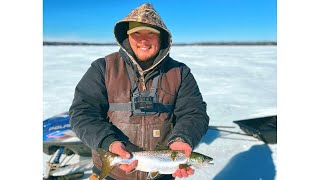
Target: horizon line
73, 43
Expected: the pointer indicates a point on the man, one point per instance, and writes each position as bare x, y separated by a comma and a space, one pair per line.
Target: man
138, 98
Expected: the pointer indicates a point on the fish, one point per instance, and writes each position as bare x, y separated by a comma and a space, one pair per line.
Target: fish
154, 162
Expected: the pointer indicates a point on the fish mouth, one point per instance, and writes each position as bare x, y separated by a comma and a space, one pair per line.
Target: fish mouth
211, 162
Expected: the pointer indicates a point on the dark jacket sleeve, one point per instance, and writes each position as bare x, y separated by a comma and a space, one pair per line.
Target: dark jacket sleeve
88, 112
190, 111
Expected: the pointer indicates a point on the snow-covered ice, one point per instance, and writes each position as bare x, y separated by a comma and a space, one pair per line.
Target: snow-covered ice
237, 82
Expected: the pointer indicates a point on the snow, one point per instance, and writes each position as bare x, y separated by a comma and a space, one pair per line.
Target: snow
237, 82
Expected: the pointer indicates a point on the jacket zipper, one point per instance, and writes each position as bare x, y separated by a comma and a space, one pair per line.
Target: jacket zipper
143, 131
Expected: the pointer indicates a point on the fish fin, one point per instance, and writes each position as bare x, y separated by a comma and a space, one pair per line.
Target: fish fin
183, 166
161, 147
106, 157
152, 175
173, 155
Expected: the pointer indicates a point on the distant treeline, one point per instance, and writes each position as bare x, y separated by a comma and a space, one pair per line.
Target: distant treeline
258, 43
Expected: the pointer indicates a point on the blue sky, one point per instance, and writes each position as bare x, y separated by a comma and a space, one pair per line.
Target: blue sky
189, 21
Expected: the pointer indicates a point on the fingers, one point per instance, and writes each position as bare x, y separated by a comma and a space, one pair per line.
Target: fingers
183, 172
181, 146
188, 151
177, 174
129, 167
124, 154
190, 171
118, 148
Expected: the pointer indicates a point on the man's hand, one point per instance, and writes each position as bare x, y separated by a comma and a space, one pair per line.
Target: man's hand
186, 148
118, 148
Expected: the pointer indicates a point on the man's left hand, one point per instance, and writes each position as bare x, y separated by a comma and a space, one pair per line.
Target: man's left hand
186, 148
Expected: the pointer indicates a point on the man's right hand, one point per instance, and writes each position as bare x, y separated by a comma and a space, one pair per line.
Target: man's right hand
118, 148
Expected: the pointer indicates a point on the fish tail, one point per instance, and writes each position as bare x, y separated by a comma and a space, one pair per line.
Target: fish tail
106, 158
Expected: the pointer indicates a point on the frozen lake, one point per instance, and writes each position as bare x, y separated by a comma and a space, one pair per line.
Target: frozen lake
237, 82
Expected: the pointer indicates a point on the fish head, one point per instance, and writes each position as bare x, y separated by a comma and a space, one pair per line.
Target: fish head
198, 160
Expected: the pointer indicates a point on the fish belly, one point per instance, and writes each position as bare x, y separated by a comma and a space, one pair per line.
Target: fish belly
163, 166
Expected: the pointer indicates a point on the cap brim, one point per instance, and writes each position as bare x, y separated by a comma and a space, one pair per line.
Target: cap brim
143, 28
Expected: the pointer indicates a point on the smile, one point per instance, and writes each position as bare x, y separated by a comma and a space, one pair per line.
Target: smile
144, 48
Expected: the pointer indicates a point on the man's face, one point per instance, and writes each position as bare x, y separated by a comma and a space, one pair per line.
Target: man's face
145, 44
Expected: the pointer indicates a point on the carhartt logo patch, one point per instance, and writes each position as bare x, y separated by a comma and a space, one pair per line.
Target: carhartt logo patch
156, 133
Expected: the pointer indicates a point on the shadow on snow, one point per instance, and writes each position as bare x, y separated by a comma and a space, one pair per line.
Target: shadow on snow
210, 136
254, 164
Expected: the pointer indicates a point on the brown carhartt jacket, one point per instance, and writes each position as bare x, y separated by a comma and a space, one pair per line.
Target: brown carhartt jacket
101, 112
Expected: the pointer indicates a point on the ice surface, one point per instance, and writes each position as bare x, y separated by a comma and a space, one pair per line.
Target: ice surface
237, 82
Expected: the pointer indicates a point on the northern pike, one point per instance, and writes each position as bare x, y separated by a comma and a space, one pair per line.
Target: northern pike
154, 162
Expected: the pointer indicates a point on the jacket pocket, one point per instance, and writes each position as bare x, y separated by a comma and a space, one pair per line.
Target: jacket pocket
129, 128
158, 134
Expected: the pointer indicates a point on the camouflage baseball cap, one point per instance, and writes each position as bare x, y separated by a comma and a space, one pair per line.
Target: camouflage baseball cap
137, 26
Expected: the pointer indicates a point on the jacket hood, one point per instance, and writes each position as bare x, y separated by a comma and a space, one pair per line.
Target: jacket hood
148, 15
